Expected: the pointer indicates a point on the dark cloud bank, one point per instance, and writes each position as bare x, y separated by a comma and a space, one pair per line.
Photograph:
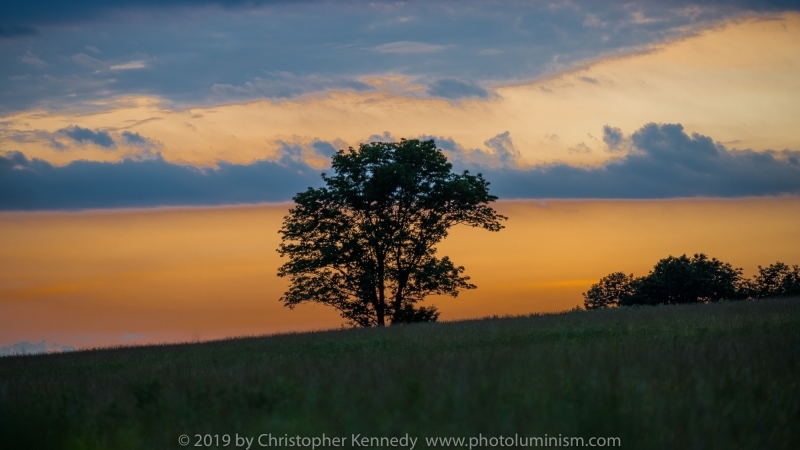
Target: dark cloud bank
662, 161
35, 184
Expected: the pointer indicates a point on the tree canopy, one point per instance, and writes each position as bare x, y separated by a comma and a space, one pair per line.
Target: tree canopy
775, 280
693, 279
610, 291
673, 280
365, 242
684, 279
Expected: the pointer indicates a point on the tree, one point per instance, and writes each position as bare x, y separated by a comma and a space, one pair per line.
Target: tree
776, 280
612, 290
681, 279
365, 243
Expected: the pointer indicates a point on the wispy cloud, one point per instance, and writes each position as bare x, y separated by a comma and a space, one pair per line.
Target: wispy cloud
281, 84
33, 60
221, 45
87, 61
406, 47
130, 65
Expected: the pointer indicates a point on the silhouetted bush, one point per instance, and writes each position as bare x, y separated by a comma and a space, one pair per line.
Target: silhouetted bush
776, 280
673, 280
609, 291
411, 314
686, 280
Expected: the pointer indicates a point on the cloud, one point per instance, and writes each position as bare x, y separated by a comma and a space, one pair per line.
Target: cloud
249, 41
56, 145
592, 21
453, 89
385, 137
101, 138
48, 11
282, 84
130, 65
406, 47
664, 162
12, 31
315, 153
499, 151
580, 148
131, 336
95, 64
28, 348
323, 148
613, 138
33, 60
135, 139
34, 184
504, 150
87, 61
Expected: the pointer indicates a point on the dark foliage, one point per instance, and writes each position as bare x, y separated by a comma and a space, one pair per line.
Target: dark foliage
776, 280
692, 280
609, 291
686, 280
673, 280
365, 243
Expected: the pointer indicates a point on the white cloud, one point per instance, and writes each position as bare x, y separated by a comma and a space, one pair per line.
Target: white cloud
130, 65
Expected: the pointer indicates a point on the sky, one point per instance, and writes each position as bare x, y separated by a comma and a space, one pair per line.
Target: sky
128, 107
133, 276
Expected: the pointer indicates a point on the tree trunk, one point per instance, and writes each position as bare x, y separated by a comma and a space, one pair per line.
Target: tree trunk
398, 300
381, 307
379, 310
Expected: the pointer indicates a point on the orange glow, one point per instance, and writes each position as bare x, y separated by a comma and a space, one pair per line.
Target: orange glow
737, 82
136, 276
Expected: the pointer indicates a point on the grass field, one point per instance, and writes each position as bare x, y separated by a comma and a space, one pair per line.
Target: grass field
721, 376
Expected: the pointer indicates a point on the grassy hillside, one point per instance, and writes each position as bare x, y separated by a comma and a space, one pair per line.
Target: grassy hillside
704, 376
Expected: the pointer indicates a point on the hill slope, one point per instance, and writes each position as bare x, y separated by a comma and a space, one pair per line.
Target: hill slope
703, 376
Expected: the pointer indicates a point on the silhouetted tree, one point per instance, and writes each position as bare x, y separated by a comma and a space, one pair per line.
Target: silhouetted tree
681, 279
365, 243
610, 291
776, 280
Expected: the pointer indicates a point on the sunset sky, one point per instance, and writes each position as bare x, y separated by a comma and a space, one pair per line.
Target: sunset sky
149, 149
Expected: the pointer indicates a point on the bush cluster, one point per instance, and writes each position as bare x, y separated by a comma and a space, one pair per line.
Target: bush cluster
695, 279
